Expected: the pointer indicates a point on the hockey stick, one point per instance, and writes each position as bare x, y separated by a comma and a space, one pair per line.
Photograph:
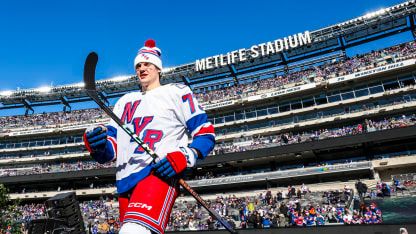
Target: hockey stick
89, 81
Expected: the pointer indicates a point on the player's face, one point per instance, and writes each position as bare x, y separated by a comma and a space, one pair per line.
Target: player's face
148, 75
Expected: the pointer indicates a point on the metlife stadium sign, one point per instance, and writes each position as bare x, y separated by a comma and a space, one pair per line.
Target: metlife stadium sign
263, 49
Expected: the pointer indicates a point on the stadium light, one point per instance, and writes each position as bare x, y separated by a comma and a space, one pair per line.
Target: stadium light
405, 3
119, 78
80, 85
167, 69
6, 93
44, 89
374, 14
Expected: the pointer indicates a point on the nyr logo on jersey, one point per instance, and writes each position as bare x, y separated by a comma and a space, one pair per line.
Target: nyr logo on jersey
129, 110
150, 136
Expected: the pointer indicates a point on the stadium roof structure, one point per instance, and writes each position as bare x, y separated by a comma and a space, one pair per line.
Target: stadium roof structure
325, 42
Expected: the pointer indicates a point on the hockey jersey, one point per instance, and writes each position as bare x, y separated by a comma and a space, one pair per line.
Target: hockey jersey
164, 118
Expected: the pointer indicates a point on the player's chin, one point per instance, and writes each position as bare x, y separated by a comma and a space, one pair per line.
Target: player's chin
144, 81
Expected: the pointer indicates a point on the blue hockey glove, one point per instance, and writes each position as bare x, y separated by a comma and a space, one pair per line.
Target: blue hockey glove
95, 141
175, 163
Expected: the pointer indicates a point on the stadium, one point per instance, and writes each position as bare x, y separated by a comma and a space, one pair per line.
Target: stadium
306, 137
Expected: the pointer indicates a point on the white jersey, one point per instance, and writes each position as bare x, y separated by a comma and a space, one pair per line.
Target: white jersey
164, 118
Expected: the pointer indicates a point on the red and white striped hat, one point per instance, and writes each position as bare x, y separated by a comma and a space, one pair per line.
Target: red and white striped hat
149, 54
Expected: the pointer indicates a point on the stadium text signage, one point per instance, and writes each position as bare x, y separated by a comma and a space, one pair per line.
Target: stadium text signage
263, 49
385, 68
282, 174
282, 92
217, 105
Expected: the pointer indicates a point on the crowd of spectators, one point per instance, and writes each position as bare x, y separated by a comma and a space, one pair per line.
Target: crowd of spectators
51, 119
312, 73
383, 189
402, 181
252, 143
32, 211
299, 118
252, 114
99, 216
53, 168
264, 210
271, 81
284, 209
223, 148
296, 206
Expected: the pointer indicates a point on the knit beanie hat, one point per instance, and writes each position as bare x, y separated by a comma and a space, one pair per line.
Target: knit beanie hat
149, 54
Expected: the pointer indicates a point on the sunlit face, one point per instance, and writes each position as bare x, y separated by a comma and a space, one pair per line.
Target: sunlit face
148, 75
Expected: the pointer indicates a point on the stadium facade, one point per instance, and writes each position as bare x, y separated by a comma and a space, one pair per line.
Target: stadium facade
306, 114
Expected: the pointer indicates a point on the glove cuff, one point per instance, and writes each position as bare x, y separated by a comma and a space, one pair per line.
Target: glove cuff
86, 143
181, 159
190, 155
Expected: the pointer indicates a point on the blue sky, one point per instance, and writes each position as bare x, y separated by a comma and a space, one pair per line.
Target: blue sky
45, 42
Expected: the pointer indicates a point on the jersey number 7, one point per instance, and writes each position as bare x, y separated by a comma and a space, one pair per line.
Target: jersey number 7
189, 98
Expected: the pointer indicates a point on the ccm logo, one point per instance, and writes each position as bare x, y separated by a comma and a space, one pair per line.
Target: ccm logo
140, 205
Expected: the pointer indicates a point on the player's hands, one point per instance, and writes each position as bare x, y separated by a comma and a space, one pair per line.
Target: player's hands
101, 149
95, 140
175, 163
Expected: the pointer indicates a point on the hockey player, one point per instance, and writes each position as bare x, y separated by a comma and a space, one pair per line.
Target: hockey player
163, 117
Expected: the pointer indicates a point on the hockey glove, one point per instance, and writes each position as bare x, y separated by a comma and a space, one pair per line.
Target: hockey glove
175, 162
96, 143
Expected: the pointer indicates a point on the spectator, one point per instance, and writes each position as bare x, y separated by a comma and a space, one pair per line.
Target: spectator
210, 223
192, 224
361, 189
266, 223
